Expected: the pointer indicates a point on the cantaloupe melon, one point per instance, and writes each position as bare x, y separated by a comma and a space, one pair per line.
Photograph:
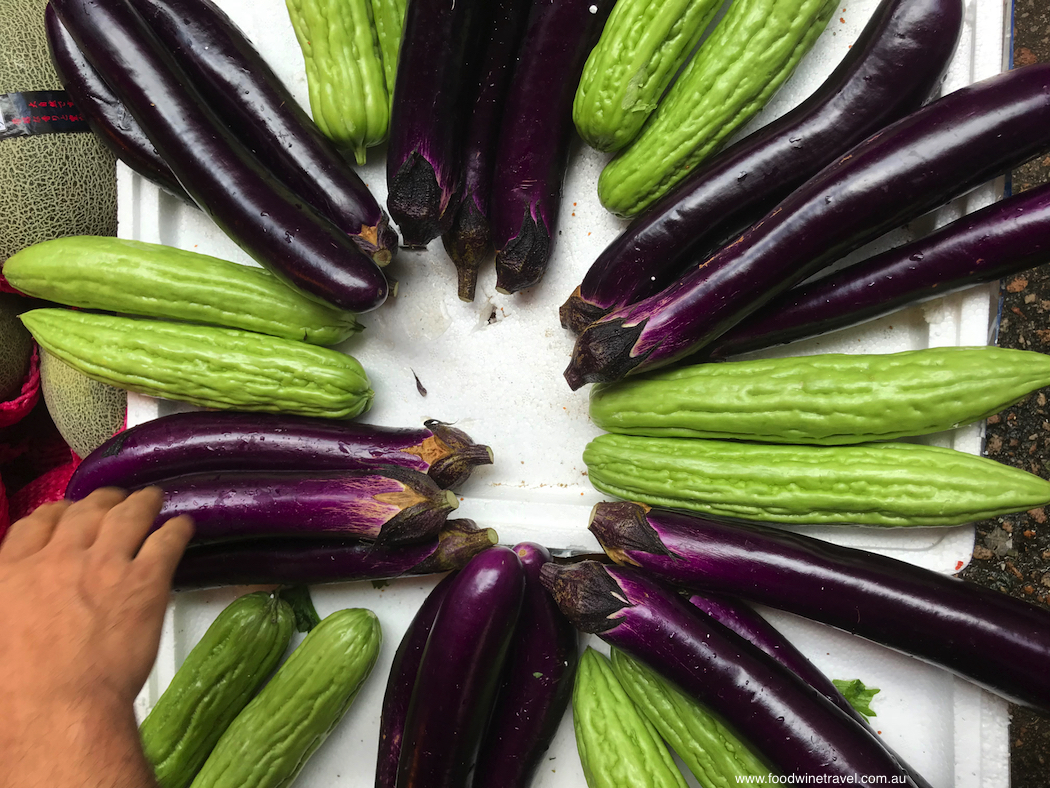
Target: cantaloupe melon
16, 346
86, 412
51, 185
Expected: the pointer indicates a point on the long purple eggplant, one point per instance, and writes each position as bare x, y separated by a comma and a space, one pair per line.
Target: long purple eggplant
537, 129
745, 622
312, 561
891, 69
912, 166
400, 683
535, 687
989, 638
213, 441
1004, 238
459, 671
469, 240
245, 92
389, 505
794, 729
432, 102
265, 218
106, 115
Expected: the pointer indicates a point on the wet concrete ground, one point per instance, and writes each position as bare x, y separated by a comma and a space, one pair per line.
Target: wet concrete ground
1012, 554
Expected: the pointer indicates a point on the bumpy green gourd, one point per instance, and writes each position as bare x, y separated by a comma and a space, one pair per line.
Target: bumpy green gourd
204, 365
87, 413
118, 275
824, 399
216, 681
271, 740
389, 18
344, 71
619, 748
643, 45
892, 484
715, 756
745, 60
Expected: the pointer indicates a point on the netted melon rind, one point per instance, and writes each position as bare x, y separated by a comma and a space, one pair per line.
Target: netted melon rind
16, 347
86, 412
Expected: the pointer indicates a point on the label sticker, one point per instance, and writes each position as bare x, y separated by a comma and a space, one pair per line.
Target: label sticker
39, 112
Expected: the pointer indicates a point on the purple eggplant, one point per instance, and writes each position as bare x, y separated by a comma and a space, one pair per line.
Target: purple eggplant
912, 166
388, 505
400, 683
795, 730
1004, 238
312, 561
242, 88
537, 129
432, 101
459, 671
106, 115
214, 441
469, 241
535, 687
891, 69
999, 642
265, 218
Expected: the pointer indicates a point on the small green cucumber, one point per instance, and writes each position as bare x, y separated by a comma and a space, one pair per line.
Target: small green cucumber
269, 742
215, 682
643, 45
889, 484
389, 17
118, 275
344, 71
619, 748
748, 56
715, 756
204, 365
826, 399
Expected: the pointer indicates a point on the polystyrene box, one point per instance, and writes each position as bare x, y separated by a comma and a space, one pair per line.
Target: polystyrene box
494, 368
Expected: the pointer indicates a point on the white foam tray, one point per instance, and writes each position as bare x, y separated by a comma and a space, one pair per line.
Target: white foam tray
494, 368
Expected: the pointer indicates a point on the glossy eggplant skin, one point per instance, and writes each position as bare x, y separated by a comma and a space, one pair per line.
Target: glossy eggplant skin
536, 685
795, 730
241, 87
893, 67
459, 671
108, 118
266, 219
1004, 238
215, 441
989, 638
313, 561
912, 166
530, 162
401, 681
432, 102
468, 241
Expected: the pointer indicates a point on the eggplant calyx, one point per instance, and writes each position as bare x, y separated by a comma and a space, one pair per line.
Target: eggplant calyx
522, 262
577, 313
587, 595
603, 353
417, 202
378, 241
458, 542
622, 528
468, 243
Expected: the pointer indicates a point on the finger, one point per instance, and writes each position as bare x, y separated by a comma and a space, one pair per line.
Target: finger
163, 549
127, 525
80, 523
32, 532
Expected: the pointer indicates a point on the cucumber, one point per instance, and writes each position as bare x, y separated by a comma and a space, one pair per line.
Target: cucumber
748, 56
270, 741
215, 682
824, 399
886, 484
643, 45
203, 365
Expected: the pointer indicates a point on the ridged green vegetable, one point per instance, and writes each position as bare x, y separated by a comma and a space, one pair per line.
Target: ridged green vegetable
618, 746
715, 756
271, 740
748, 56
344, 71
204, 365
389, 18
215, 682
118, 275
891, 484
643, 45
825, 399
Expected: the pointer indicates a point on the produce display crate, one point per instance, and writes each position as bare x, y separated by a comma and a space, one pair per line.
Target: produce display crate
494, 368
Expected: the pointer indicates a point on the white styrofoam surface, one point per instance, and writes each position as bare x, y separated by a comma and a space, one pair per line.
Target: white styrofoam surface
494, 368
